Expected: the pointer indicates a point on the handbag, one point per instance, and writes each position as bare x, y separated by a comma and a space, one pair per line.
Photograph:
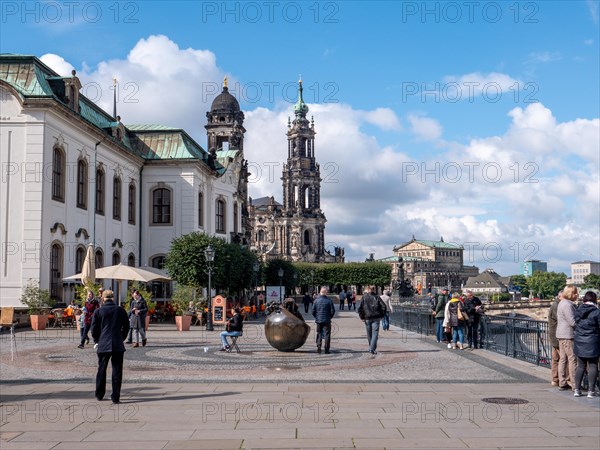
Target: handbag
462, 315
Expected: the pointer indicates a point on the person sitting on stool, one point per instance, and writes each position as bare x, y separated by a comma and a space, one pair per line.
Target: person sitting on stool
234, 327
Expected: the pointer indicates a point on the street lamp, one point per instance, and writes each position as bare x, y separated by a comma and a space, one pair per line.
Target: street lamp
209, 255
280, 274
256, 268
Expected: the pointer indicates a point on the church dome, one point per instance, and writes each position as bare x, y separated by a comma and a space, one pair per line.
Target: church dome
225, 102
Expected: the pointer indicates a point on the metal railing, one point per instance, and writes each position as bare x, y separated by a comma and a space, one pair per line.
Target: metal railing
523, 339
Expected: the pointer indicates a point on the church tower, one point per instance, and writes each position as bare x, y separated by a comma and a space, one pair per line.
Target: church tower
305, 224
225, 136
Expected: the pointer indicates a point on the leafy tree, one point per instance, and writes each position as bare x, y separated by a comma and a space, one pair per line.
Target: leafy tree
271, 274
591, 281
546, 284
520, 281
232, 269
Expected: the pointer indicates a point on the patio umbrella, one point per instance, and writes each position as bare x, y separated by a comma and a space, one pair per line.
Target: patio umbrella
88, 271
122, 272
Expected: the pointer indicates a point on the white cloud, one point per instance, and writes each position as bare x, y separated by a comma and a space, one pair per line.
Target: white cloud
468, 86
593, 10
384, 118
544, 57
425, 128
58, 64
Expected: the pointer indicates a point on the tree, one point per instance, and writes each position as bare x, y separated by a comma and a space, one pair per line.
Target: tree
546, 284
520, 282
591, 281
232, 269
271, 273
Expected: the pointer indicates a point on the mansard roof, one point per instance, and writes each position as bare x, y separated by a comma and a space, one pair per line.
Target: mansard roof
31, 78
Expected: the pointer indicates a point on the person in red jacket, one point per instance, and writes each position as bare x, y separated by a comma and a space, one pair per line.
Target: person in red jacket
91, 305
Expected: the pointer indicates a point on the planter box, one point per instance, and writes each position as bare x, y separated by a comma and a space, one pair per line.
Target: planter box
38, 321
183, 323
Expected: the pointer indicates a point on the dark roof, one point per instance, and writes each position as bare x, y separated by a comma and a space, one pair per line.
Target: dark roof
225, 102
264, 201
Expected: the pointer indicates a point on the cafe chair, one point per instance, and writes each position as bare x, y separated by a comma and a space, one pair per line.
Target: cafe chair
7, 319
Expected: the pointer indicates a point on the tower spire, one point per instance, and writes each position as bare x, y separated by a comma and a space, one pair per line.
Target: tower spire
115, 98
300, 108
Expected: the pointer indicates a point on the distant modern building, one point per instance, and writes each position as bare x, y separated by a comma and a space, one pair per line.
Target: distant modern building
490, 282
580, 269
531, 266
431, 264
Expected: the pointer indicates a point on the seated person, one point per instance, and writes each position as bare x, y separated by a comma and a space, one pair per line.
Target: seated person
234, 328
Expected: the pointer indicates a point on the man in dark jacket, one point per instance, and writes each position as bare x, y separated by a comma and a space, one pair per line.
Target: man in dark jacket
371, 310
110, 326
586, 345
235, 327
306, 301
474, 308
323, 311
552, 322
440, 306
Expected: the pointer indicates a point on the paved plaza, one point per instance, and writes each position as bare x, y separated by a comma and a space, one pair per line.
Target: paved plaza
180, 391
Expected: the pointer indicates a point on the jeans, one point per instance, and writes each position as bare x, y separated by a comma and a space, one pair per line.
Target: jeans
372, 326
439, 330
458, 335
385, 322
224, 335
323, 334
84, 332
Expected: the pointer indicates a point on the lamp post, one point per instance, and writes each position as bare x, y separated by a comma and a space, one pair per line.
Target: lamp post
280, 274
256, 268
209, 255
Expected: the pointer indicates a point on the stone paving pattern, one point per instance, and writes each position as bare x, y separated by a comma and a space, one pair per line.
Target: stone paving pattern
181, 392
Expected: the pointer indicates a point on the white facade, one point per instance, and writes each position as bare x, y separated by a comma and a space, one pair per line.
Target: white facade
48, 214
581, 269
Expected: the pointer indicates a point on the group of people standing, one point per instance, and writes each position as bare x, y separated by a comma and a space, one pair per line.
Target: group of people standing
456, 316
574, 333
347, 298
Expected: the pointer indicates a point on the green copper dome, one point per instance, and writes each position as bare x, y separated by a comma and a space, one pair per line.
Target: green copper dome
300, 108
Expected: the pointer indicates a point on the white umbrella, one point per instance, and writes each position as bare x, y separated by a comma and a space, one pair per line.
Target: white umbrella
122, 272
88, 271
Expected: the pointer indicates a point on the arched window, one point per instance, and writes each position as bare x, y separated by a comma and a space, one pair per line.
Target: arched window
306, 237
220, 216
100, 181
82, 183
56, 265
131, 204
200, 209
235, 217
99, 257
261, 236
131, 260
58, 174
79, 258
160, 290
161, 206
116, 198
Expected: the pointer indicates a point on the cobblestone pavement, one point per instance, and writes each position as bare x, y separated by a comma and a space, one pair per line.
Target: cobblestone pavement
181, 392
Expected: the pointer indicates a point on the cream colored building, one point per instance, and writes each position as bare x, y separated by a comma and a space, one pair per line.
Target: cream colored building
581, 269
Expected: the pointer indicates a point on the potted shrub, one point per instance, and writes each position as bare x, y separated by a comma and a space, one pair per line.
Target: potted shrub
180, 302
38, 302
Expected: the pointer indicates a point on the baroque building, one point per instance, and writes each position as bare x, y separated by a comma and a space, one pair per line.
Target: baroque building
431, 265
75, 175
294, 230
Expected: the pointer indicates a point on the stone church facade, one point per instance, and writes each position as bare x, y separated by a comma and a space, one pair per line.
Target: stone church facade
294, 230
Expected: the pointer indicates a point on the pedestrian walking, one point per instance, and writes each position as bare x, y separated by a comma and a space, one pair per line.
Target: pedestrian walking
109, 329
137, 319
371, 310
343, 300
385, 322
91, 305
306, 301
323, 311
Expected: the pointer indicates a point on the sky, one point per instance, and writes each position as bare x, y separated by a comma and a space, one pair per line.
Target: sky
474, 121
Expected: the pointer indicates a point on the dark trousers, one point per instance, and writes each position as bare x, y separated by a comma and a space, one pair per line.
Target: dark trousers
117, 374
372, 326
472, 332
84, 332
306, 305
324, 334
342, 305
592, 367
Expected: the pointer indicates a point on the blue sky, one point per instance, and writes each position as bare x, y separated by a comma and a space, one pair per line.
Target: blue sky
395, 88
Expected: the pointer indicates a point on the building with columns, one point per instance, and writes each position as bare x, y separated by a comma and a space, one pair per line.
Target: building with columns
294, 230
431, 264
73, 175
